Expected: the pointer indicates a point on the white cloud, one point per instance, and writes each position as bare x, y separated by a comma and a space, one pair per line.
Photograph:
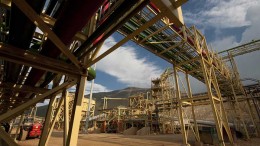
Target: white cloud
125, 65
96, 88
248, 65
224, 43
222, 14
45, 102
245, 63
252, 32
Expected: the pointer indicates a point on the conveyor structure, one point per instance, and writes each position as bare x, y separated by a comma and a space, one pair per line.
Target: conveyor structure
73, 32
252, 46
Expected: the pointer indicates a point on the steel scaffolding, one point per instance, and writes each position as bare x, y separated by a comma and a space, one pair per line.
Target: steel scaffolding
70, 44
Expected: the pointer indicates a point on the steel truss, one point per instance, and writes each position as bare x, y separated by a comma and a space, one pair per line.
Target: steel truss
156, 28
76, 75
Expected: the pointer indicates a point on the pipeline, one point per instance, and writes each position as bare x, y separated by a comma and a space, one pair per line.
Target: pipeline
20, 24
114, 29
71, 20
118, 13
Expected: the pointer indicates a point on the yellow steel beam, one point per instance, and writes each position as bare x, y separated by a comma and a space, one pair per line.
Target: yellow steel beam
188, 61
197, 135
130, 36
177, 3
48, 20
47, 122
76, 113
55, 118
173, 14
152, 34
66, 117
180, 110
172, 47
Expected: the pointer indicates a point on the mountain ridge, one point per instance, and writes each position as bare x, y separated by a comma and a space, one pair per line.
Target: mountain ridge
120, 93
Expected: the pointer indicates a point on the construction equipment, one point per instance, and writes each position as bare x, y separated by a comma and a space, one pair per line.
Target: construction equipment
30, 128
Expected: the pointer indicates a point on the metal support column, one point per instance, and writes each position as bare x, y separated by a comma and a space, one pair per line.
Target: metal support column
181, 120
197, 136
239, 84
76, 113
252, 116
47, 123
66, 117
49, 115
240, 113
57, 113
6, 137
18, 126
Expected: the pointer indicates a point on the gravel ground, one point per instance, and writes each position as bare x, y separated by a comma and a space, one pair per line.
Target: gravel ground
122, 140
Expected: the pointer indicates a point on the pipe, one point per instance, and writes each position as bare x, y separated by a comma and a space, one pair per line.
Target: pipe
115, 28
89, 104
74, 16
117, 14
20, 35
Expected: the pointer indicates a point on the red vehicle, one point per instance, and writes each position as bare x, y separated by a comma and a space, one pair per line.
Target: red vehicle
30, 129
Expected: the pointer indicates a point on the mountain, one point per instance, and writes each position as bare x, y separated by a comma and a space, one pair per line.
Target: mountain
123, 93
41, 111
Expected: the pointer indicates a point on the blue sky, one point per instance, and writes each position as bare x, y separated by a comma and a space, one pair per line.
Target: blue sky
225, 23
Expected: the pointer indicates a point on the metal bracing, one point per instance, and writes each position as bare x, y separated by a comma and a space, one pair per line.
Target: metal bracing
197, 135
56, 116
190, 45
253, 118
19, 125
158, 29
238, 84
48, 119
5, 136
20, 56
237, 88
180, 110
219, 114
239, 112
49, 115
164, 99
16, 111
127, 38
252, 46
61, 118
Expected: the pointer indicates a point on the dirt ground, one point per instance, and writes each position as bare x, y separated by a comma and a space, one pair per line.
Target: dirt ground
123, 140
